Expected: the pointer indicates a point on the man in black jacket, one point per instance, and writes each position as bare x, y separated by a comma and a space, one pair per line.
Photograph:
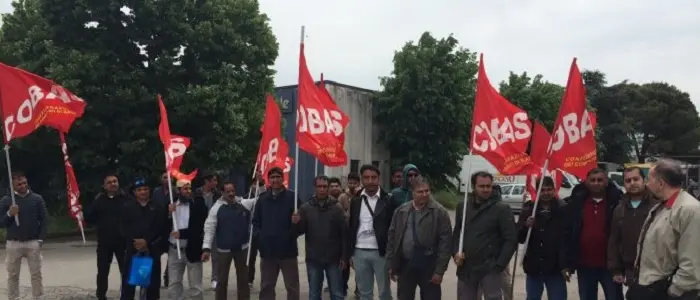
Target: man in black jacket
105, 213
145, 227
586, 233
323, 222
542, 263
190, 214
210, 193
490, 238
371, 211
277, 241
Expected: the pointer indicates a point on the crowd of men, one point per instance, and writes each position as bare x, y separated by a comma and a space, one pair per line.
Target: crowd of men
646, 239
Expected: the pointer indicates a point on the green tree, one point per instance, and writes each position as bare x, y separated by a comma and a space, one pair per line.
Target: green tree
614, 143
211, 61
664, 120
541, 99
426, 104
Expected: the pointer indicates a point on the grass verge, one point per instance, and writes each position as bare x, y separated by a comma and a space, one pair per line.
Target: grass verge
448, 199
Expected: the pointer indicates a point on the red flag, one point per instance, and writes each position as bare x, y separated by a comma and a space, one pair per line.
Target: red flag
178, 147
500, 130
539, 144
273, 150
30, 101
533, 179
320, 124
342, 158
573, 142
165, 138
74, 208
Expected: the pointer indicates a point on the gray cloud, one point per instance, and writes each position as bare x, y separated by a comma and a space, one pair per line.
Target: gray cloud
353, 42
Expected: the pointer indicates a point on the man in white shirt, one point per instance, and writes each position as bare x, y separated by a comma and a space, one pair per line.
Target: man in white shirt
369, 219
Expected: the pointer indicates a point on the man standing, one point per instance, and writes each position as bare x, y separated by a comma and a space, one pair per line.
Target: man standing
323, 222
542, 261
370, 218
334, 187
105, 213
350, 191
668, 264
403, 194
586, 233
161, 195
228, 223
209, 193
627, 221
396, 178
419, 245
190, 214
490, 238
145, 228
25, 240
277, 242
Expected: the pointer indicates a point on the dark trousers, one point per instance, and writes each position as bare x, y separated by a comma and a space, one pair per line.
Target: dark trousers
588, 280
346, 279
409, 281
224, 269
153, 290
253, 259
315, 273
555, 284
270, 269
105, 253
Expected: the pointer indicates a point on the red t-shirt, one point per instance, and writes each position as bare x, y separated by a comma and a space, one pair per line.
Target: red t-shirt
594, 239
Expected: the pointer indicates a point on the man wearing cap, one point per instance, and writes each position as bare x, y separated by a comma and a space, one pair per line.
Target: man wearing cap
272, 219
145, 227
190, 214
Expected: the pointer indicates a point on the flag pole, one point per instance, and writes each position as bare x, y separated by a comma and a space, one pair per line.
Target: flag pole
296, 144
255, 172
82, 229
315, 168
464, 208
250, 233
9, 176
170, 193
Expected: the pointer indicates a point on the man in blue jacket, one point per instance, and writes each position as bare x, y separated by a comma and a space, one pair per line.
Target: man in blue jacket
277, 241
403, 193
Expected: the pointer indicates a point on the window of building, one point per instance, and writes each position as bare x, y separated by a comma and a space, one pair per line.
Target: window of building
355, 165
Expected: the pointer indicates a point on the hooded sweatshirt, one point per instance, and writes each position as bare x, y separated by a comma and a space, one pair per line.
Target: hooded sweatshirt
403, 194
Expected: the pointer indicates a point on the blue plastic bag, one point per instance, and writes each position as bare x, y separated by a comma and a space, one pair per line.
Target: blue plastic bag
141, 269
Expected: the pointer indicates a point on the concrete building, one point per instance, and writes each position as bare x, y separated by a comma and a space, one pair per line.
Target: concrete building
361, 143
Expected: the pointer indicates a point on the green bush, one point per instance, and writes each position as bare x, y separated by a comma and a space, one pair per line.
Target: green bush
448, 199
59, 226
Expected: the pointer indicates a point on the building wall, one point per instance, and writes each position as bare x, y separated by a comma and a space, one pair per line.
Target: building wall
361, 145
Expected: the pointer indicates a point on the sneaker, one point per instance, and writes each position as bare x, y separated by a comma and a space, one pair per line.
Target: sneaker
213, 284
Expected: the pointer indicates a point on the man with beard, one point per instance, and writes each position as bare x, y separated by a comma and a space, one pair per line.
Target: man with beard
210, 193
668, 264
105, 213
541, 263
490, 238
396, 178
272, 219
24, 240
419, 245
586, 233
370, 218
190, 214
228, 224
403, 194
322, 220
627, 221
145, 227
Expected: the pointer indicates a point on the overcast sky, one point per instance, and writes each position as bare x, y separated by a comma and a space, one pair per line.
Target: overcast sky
353, 42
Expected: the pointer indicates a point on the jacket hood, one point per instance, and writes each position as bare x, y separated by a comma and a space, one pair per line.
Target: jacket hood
408, 167
330, 201
580, 191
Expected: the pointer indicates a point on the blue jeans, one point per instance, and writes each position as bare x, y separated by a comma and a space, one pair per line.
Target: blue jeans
535, 284
315, 274
588, 279
368, 265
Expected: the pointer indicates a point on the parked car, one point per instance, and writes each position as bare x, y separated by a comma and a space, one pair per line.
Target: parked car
512, 194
